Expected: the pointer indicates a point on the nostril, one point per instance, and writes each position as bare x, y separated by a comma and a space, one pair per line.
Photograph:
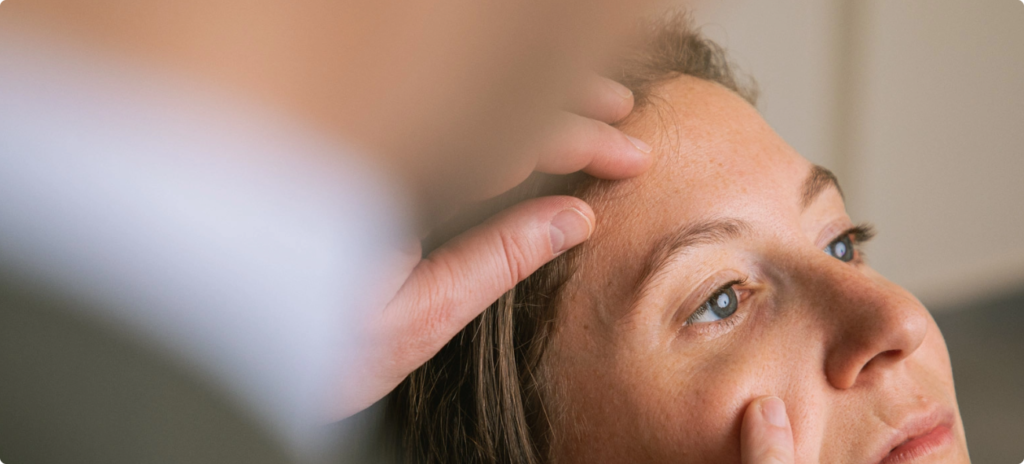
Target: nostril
879, 329
892, 354
885, 357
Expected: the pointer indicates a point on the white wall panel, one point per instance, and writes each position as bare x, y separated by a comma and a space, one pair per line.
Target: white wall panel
919, 107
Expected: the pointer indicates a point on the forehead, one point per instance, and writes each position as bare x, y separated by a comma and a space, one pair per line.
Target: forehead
715, 157
713, 150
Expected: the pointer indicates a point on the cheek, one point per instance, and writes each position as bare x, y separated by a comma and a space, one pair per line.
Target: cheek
711, 400
693, 407
651, 409
709, 394
722, 388
933, 367
935, 356
623, 398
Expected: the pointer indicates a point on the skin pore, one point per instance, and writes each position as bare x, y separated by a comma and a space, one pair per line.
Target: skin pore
639, 372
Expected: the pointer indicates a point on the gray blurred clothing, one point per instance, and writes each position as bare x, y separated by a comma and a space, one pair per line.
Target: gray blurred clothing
230, 240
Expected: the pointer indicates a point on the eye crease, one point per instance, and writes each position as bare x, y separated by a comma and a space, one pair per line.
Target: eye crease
843, 248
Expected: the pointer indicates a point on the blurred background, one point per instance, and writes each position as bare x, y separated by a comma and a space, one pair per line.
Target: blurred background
918, 106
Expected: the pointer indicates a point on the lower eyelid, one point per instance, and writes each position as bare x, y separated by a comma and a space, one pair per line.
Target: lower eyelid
741, 296
711, 329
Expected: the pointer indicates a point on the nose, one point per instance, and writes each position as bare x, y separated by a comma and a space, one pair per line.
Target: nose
873, 325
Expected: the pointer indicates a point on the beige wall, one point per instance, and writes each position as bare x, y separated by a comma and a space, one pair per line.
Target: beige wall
918, 105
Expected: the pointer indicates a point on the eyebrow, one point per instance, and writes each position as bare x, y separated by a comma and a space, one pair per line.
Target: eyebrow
818, 181
678, 242
715, 231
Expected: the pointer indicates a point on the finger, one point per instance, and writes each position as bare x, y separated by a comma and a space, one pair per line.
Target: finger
595, 148
462, 278
400, 261
766, 436
602, 99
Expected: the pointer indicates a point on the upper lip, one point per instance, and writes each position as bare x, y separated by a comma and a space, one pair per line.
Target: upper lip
914, 426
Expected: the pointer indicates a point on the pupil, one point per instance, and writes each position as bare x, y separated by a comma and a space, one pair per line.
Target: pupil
724, 304
840, 250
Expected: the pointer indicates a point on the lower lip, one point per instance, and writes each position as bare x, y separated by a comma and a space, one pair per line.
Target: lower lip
921, 446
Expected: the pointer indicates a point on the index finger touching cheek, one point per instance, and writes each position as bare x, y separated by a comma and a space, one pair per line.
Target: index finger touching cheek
766, 436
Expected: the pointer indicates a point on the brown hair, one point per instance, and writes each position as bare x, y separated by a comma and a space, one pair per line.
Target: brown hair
482, 398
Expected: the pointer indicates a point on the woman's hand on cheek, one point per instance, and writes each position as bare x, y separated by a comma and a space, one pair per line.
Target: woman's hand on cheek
438, 296
766, 436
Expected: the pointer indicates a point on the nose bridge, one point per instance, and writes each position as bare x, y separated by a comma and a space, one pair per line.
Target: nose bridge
870, 323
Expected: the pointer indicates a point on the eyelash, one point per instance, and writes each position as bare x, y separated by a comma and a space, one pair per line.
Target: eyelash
702, 309
859, 235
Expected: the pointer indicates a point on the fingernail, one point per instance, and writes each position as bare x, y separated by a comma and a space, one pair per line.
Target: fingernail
774, 411
568, 229
620, 89
639, 144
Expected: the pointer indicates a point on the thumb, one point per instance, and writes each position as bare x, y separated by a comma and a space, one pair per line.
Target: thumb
766, 436
462, 278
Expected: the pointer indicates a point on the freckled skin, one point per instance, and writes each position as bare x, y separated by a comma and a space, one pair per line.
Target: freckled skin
851, 354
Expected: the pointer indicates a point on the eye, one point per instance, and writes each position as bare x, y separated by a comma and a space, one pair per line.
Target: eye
720, 306
841, 248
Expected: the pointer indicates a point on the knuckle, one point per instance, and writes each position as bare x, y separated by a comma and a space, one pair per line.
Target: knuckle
436, 301
418, 327
436, 309
516, 257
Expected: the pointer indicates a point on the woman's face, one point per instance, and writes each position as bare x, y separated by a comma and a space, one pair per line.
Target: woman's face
728, 272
